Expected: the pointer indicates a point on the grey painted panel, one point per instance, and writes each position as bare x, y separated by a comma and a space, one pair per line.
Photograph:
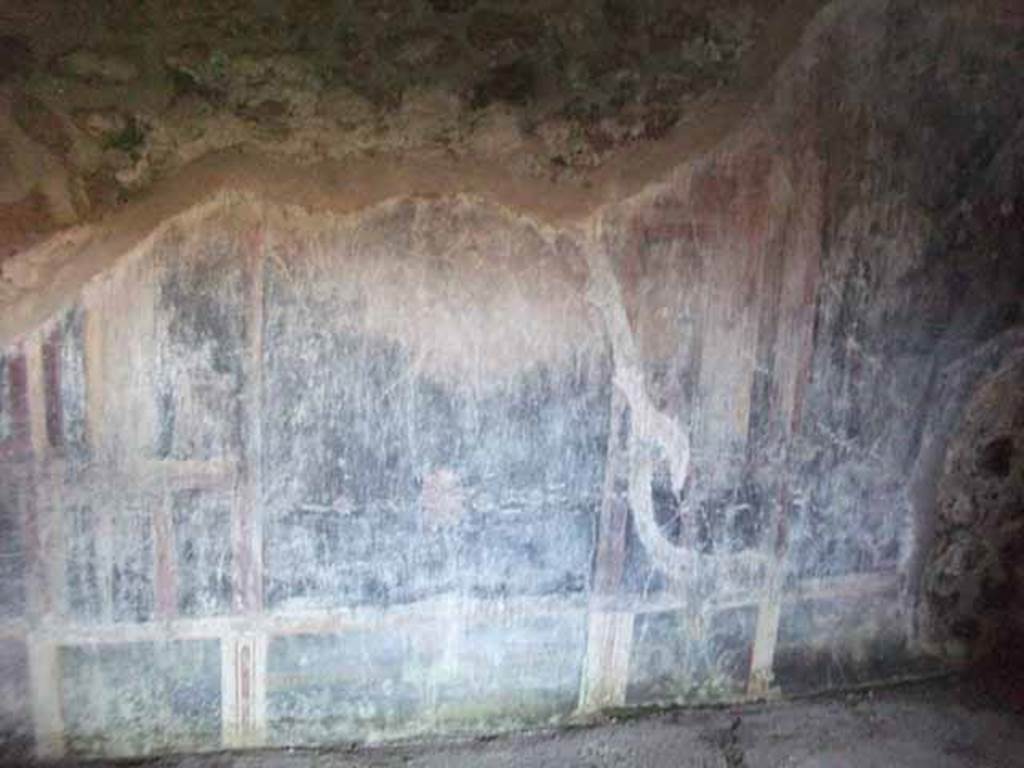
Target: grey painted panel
84, 572
138, 698
12, 554
837, 643
15, 716
330, 688
384, 485
200, 345
511, 673
113, 580
7, 416
683, 659
202, 548
64, 387
450, 675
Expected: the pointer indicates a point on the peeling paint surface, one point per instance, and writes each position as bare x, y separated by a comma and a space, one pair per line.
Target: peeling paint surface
453, 676
284, 475
126, 689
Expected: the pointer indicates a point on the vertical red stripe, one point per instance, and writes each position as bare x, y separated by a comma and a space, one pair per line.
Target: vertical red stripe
166, 574
245, 688
51, 385
18, 445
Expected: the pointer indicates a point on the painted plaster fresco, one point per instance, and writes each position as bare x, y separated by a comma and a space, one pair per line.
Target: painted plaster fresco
286, 476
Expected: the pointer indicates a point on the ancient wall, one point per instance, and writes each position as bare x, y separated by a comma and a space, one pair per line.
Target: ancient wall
278, 473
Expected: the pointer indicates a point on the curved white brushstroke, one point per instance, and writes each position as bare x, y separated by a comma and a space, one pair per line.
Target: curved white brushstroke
651, 432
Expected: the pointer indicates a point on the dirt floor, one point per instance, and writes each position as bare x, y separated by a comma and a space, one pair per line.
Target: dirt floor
938, 724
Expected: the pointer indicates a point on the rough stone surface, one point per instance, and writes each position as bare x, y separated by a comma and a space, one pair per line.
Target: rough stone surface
298, 454
975, 579
154, 85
